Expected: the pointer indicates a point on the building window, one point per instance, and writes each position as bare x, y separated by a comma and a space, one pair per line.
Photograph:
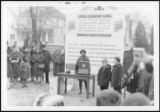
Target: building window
43, 36
12, 37
50, 36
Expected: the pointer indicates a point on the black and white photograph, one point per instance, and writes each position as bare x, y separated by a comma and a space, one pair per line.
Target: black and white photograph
80, 55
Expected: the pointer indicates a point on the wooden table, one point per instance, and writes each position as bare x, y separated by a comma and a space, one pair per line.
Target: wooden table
87, 78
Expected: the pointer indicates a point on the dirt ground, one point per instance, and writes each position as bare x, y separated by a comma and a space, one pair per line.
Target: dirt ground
24, 96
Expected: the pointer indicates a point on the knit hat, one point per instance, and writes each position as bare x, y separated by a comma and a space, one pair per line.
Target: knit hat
83, 51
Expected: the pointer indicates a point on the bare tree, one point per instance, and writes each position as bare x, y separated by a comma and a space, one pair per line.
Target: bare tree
141, 39
33, 14
39, 17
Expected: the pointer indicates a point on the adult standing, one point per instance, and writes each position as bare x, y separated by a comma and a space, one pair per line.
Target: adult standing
9, 66
27, 54
15, 60
62, 60
83, 57
133, 81
47, 59
34, 68
116, 75
56, 58
41, 65
142, 74
148, 78
104, 75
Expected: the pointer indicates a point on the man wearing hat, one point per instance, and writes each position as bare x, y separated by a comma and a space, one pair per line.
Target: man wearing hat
47, 59
83, 57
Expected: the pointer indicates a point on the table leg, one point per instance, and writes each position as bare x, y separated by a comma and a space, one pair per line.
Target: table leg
65, 86
93, 89
59, 85
87, 88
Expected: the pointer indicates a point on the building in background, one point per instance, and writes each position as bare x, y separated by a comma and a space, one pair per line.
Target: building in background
50, 24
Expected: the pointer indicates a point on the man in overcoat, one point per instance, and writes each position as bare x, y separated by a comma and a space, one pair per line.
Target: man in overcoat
47, 59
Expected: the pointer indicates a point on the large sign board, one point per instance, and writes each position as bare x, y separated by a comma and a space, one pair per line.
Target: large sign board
100, 33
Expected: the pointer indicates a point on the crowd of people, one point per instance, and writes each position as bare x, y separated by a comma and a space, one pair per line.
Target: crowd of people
141, 79
32, 64
24, 63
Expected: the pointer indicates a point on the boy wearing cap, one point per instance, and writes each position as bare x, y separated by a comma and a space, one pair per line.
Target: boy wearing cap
83, 57
104, 75
116, 75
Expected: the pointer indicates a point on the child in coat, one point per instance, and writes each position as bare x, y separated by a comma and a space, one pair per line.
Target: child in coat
24, 72
104, 75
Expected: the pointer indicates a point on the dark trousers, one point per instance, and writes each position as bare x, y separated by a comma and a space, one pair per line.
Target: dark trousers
47, 77
117, 89
80, 84
104, 86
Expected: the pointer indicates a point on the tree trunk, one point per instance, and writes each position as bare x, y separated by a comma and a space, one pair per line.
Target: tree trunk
33, 14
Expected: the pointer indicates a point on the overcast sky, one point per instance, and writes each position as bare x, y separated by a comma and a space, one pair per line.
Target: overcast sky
147, 8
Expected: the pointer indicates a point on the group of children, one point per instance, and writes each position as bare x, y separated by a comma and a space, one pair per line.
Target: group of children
19, 66
141, 79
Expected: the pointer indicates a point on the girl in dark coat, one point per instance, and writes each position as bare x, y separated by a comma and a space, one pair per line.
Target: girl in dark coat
24, 71
117, 75
104, 75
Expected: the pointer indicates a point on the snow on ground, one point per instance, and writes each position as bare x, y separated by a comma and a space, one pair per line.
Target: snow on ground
24, 96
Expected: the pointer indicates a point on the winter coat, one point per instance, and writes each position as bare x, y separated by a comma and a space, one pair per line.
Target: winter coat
62, 62
40, 61
47, 59
58, 60
133, 83
24, 70
142, 75
81, 58
151, 89
34, 61
147, 81
15, 65
104, 75
116, 75
28, 56
9, 68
